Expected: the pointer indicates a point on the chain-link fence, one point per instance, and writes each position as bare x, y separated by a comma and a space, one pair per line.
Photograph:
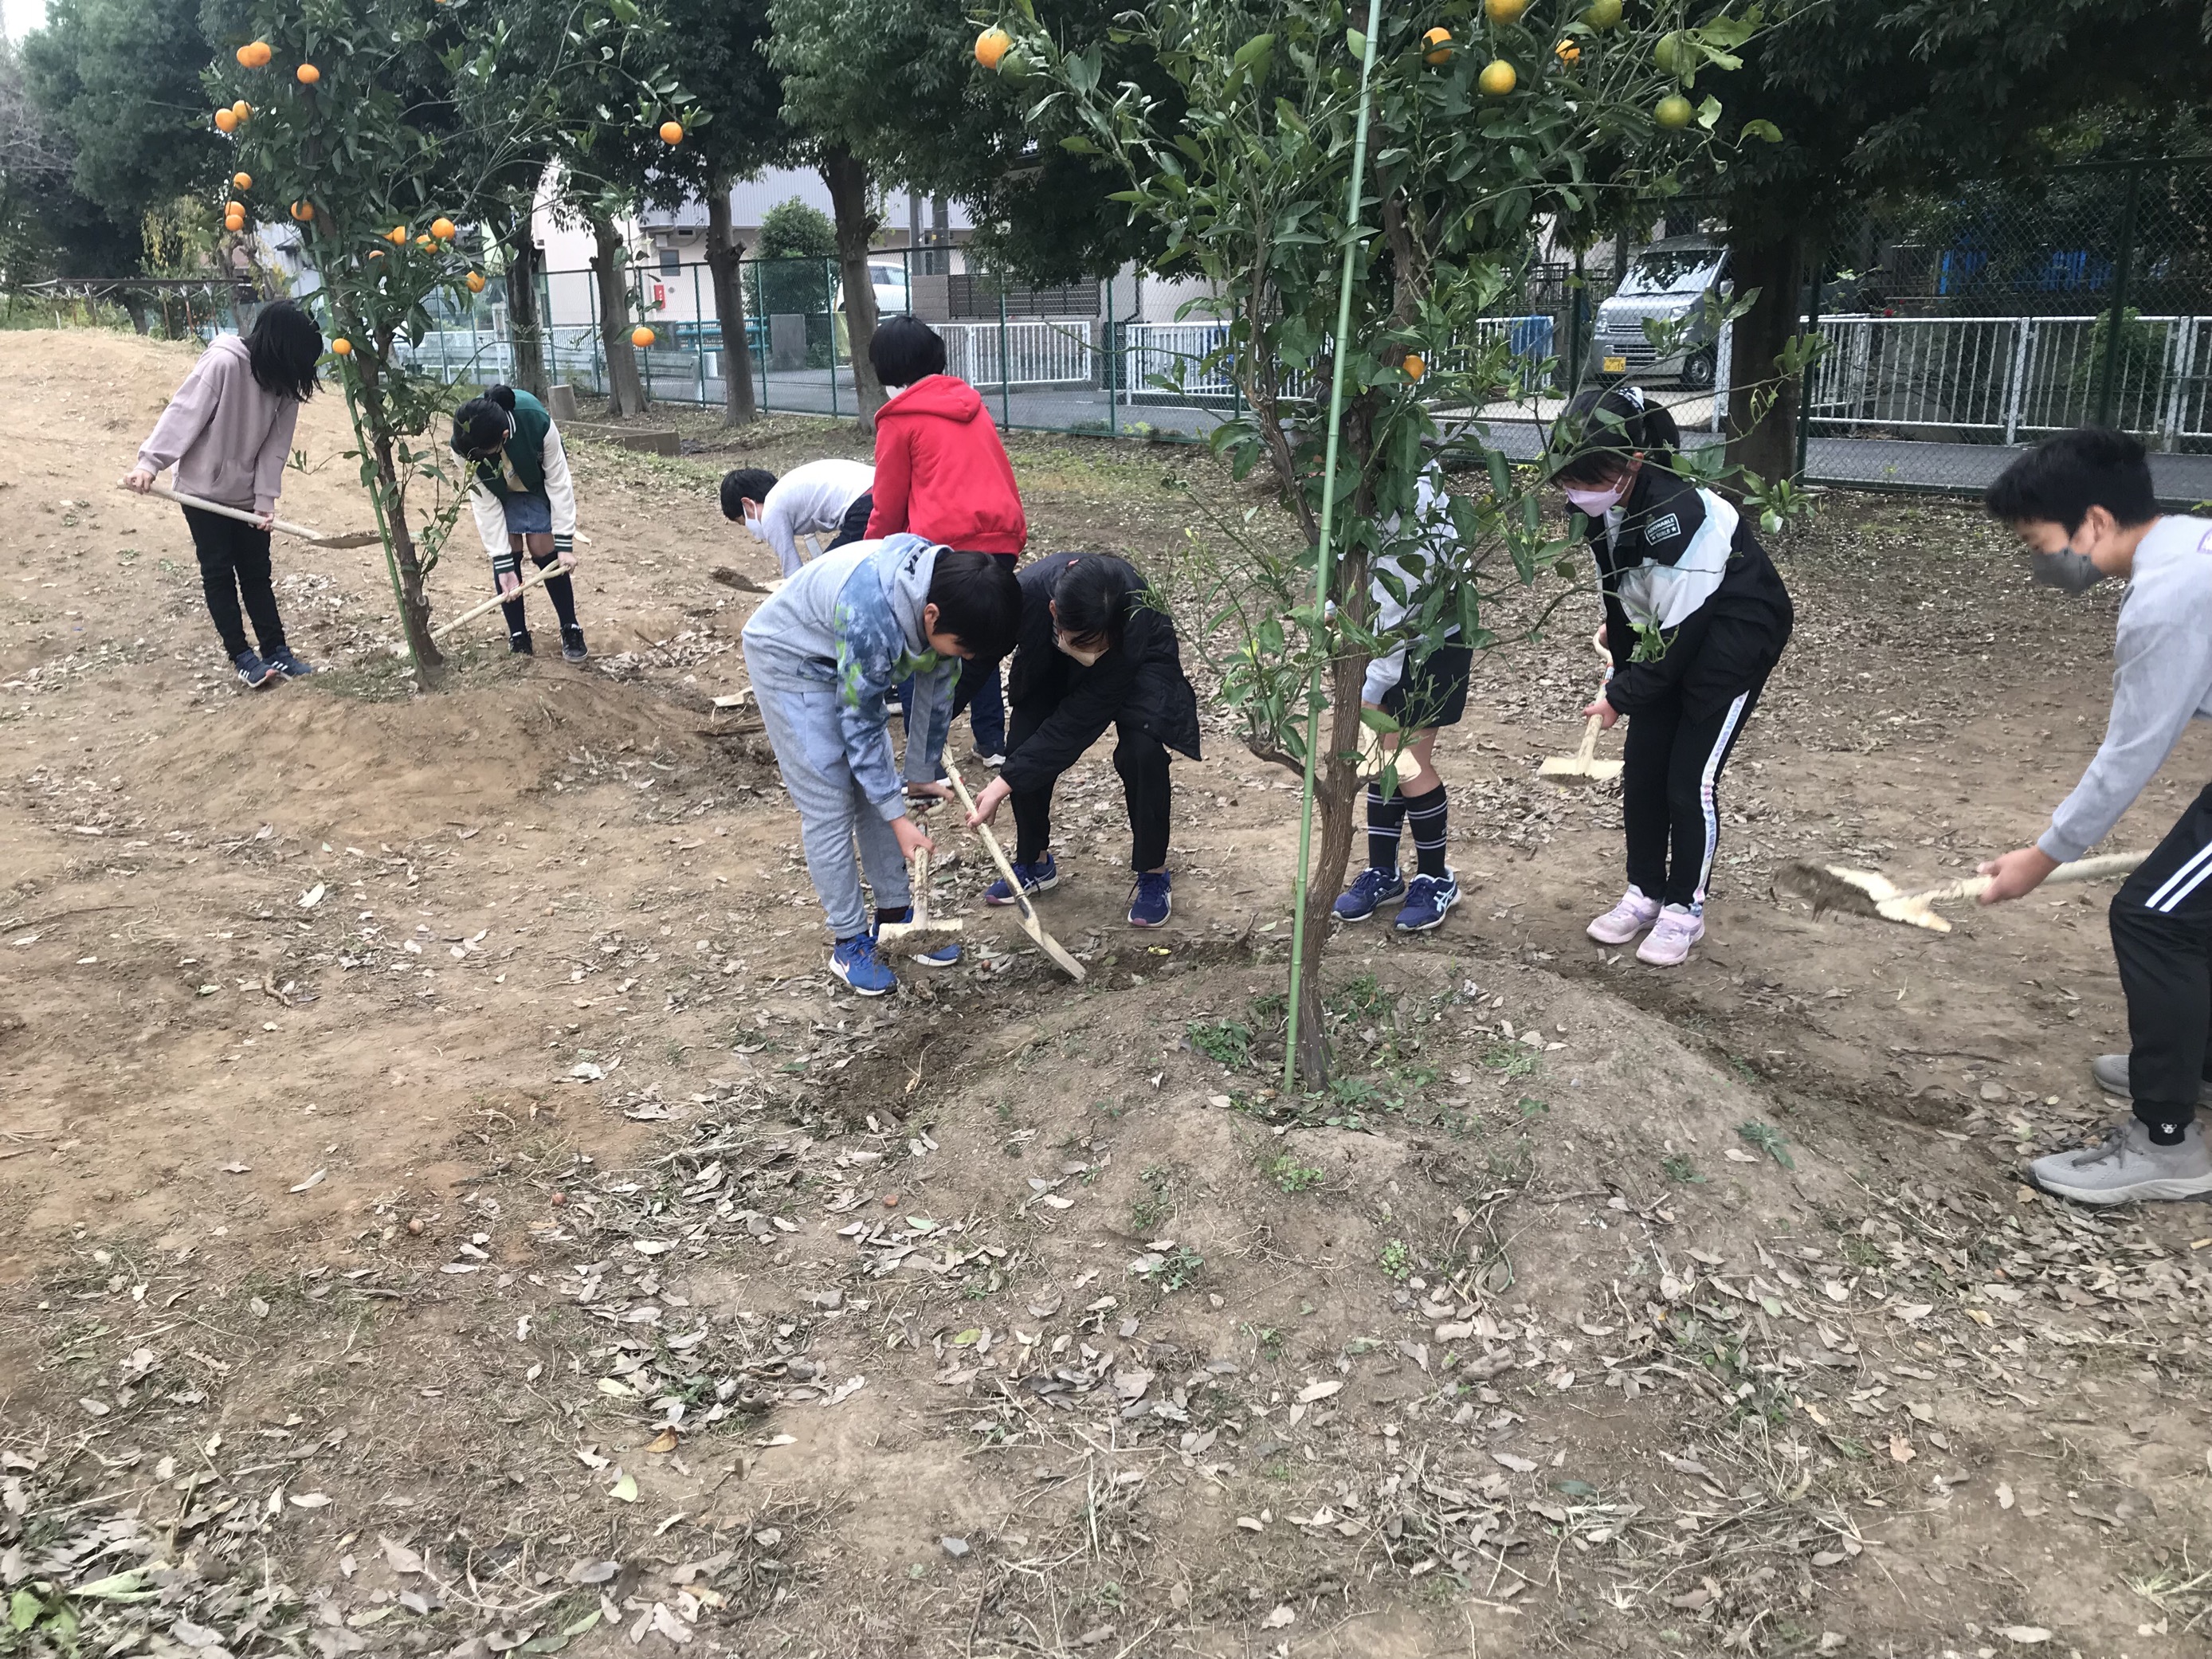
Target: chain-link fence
1953, 329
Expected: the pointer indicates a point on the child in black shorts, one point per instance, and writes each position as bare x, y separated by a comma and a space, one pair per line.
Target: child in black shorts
1424, 694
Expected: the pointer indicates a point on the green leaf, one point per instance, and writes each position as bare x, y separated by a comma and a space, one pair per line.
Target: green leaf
1357, 42
1764, 130
1259, 47
23, 1610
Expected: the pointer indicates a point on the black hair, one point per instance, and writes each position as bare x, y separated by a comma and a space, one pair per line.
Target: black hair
1090, 600
904, 349
745, 484
978, 602
283, 346
1604, 428
2064, 476
480, 425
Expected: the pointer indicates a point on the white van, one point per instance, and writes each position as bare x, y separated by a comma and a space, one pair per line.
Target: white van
1669, 281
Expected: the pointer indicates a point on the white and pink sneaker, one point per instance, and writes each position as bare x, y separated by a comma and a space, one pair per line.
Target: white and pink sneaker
1625, 919
1677, 929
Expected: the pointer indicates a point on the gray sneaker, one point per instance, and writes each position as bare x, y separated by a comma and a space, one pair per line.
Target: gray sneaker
2111, 1072
2124, 1166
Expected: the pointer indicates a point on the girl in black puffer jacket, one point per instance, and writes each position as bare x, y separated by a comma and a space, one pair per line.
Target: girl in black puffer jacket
1095, 649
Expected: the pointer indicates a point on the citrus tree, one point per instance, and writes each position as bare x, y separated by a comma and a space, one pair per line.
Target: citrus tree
1482, 121
379, 128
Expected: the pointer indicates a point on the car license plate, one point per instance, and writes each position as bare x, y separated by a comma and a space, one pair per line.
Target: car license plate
1616, 365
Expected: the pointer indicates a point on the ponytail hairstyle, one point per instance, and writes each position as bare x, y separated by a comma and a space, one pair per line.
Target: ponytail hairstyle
284, 347
481, 424
1606, 428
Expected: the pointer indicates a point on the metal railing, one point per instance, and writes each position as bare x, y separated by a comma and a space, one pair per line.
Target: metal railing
2007, 379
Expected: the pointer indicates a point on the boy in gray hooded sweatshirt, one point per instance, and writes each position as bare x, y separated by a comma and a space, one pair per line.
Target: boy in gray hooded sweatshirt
2082, 503
824, 654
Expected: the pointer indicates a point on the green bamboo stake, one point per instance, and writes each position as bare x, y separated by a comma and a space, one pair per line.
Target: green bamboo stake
1328, 525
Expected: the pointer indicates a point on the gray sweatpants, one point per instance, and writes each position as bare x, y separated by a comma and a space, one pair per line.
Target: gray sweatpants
801, 717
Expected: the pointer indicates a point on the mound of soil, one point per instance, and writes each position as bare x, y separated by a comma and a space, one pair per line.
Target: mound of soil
325, 763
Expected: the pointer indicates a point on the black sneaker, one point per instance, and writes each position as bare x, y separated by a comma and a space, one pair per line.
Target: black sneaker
518, 643
572, 644
258, 675
289, 666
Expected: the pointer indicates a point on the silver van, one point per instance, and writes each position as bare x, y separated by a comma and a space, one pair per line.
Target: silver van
1669, 281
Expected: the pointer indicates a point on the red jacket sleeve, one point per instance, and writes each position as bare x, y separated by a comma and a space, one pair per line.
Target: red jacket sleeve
894, 479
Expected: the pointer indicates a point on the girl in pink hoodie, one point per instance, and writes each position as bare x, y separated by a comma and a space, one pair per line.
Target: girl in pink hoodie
228, 432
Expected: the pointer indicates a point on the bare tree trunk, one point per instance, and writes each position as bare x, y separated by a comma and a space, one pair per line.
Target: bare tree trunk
523, 326
625, 392
1337, 793
1763, 411
848, 180
370, 413
724, 253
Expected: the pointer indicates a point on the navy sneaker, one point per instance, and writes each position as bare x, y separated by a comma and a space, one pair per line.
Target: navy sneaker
256, 674
1150, 903
1369, 891
946, 955
1035, 878
1427, 901
519, 643
290, 665
860, 965
572, 644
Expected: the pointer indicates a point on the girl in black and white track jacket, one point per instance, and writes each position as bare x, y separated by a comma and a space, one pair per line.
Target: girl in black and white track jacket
1696, 617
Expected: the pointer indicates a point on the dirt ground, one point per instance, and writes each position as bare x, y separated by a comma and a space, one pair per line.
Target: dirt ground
449, 1209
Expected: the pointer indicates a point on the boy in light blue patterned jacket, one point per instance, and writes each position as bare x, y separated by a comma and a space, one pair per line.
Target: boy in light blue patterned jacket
824, 654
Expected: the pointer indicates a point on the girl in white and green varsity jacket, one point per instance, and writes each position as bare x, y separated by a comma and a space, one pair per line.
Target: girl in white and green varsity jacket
524, 503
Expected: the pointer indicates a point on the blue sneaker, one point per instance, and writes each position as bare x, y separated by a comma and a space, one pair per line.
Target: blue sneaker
255, 673
1369, 891
290, 665
1150, 903
1035, 878
1427, 901
945, 955
857, 962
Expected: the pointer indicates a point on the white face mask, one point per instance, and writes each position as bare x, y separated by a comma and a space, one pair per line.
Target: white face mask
753, 524
1088, 659
1596, 503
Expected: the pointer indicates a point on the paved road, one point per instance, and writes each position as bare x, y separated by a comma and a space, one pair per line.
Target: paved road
1869, 463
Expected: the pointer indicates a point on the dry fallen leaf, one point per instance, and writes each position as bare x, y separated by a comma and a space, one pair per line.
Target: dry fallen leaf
1314, 1391
2026, 1635
310, 1500
2004, 1495
1902, 1449
1281, 1616
663, 1442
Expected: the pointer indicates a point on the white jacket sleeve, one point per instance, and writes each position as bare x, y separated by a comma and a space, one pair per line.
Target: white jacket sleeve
491, 523
559, 490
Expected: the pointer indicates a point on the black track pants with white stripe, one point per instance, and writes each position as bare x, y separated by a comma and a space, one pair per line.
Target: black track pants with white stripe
2162, 939
1670, 793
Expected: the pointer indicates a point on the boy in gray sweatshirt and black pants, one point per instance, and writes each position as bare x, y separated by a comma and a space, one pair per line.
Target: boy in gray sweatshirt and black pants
2083, 505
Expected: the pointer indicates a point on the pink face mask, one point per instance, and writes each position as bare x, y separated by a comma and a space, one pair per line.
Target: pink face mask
1595, 503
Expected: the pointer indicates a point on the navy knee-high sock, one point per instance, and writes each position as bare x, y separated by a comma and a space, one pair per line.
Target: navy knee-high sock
1384, 818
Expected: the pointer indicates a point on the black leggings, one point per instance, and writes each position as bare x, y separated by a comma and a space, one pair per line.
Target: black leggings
559, 589
234, 564
1669, 793
1143, 764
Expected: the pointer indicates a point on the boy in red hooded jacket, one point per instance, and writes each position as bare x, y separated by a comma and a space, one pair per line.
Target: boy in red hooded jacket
942, 474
